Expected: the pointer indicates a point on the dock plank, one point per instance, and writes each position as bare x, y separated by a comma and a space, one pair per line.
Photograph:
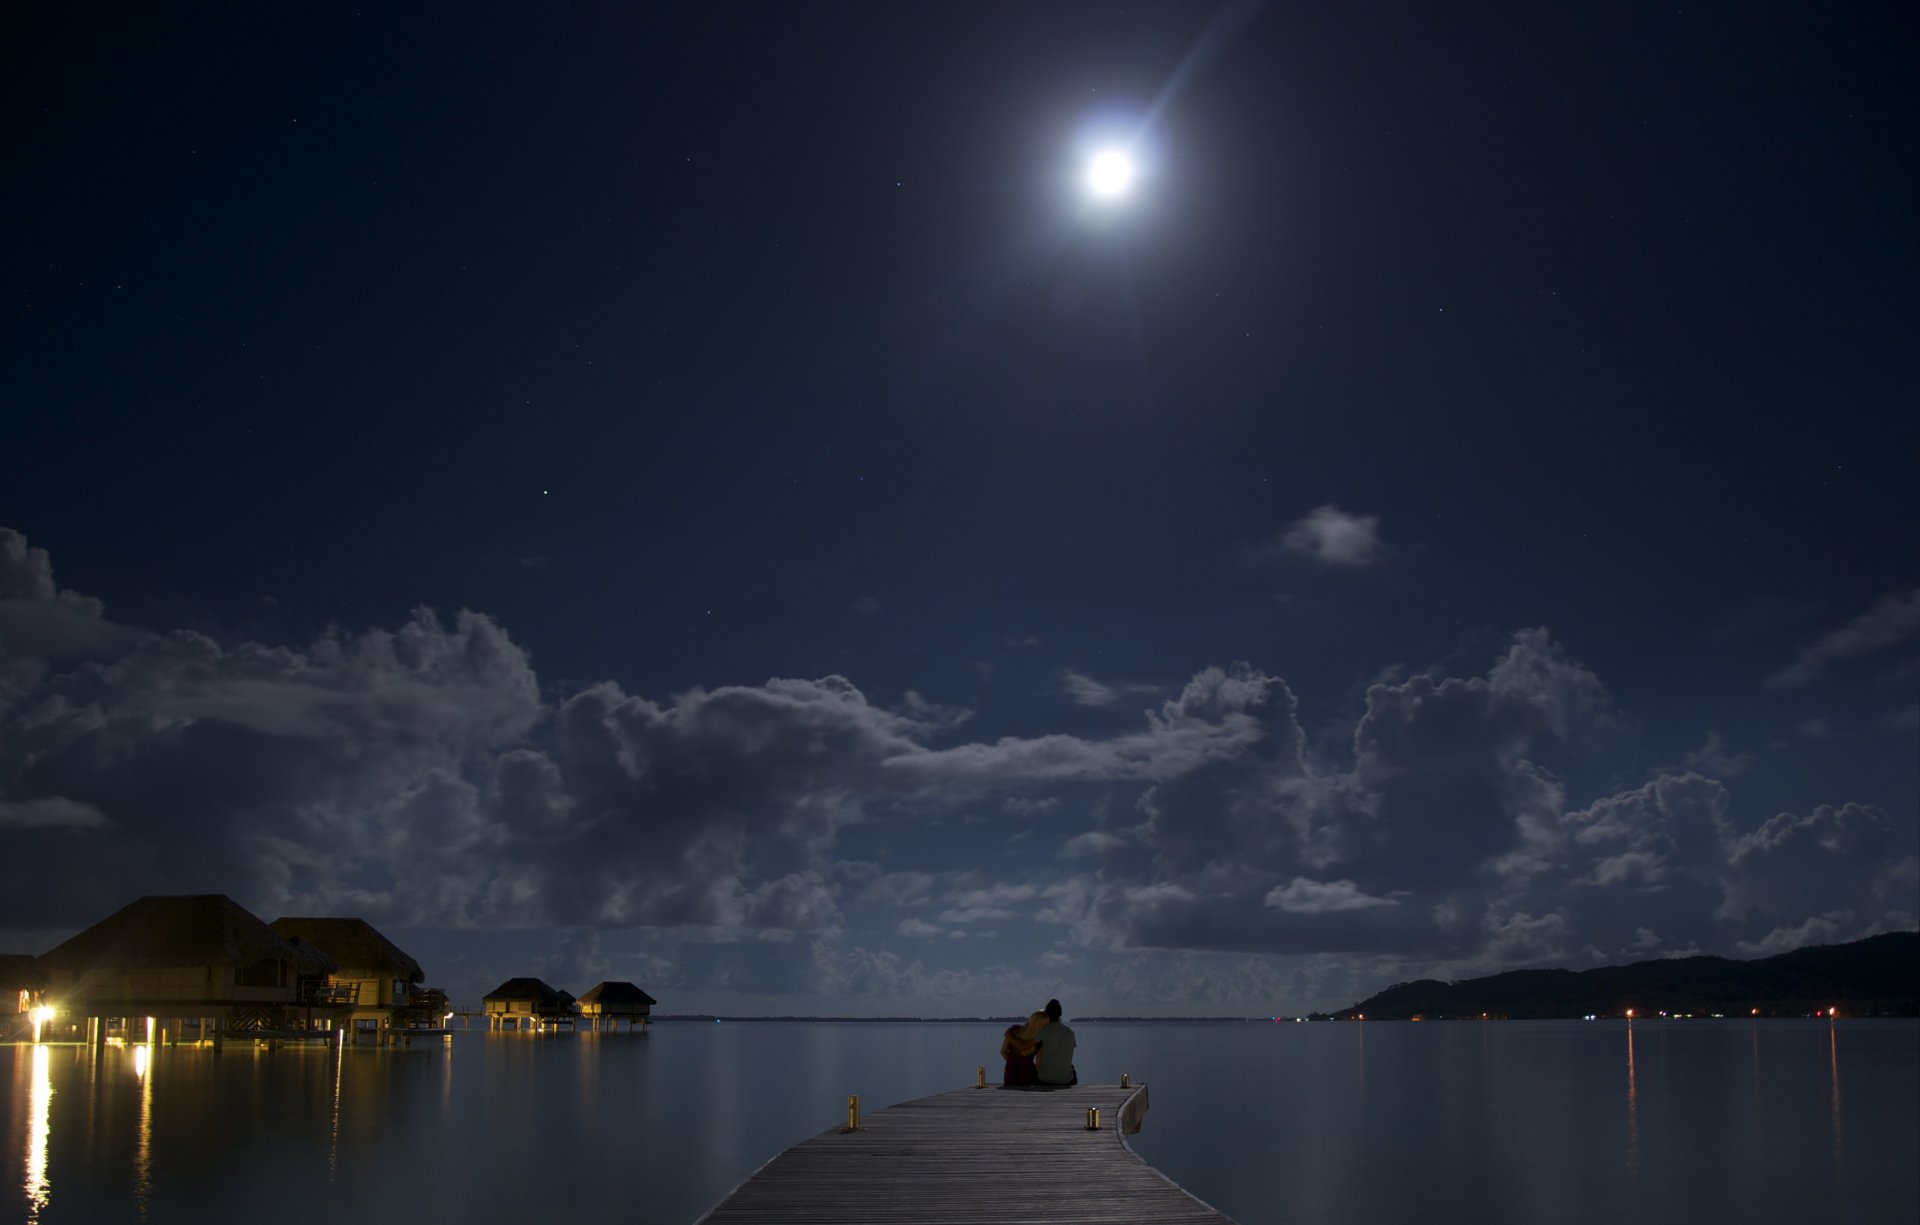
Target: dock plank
971, 1157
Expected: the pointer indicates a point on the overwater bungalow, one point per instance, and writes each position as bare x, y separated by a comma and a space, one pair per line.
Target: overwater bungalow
376, 982
23, 987
609, 1003
202, 956
528, 1003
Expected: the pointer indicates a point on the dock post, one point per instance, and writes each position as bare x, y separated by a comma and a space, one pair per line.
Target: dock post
980, 1077
853, 1112
1126, 1081
1093, 1118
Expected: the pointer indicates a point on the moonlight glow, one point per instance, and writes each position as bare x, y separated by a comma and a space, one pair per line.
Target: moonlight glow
1110, 174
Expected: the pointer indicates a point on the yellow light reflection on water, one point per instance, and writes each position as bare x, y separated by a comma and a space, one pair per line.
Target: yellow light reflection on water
143, 1151
333, 1141
39, 1127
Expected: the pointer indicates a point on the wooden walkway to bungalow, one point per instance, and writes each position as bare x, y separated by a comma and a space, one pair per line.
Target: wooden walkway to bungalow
973, 1155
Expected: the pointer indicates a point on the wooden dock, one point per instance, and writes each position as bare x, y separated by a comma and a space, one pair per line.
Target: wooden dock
973, 1155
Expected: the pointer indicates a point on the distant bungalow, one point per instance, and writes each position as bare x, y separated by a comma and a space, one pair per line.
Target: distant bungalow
23, 986
612, 1002
375, 981
201, 956
528, 1003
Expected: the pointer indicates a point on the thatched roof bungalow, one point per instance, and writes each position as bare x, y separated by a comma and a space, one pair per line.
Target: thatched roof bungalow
612, 1002
22, 981
375, 978
201, 955
527, 1003
23, 986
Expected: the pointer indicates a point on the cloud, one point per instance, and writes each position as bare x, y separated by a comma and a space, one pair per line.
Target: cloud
1817, 929
1716, 760
41, 625
1333, 537
417, 774
54, 813
932, 716
1303, 896
900, 889
1086, 691
993, 903
1894, 619
1799, 864
1092, 844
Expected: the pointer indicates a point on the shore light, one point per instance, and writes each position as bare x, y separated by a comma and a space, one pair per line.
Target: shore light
39, 1016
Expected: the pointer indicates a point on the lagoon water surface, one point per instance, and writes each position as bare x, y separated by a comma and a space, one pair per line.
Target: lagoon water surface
1769, 1121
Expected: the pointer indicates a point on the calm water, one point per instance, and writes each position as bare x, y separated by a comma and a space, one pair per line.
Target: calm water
1559, 1121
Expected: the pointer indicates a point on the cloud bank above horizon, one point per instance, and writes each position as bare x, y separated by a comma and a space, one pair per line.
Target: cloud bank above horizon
799, 839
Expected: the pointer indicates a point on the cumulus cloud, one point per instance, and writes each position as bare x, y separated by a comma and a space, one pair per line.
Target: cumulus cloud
42, 625
900, 889
1716, 759
1893, 620
991, 903
418, 775
1303, 896
1333, 537
1092, 844
1449, 836
1086, 691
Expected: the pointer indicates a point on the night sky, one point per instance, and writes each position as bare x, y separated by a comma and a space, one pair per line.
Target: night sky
710, 497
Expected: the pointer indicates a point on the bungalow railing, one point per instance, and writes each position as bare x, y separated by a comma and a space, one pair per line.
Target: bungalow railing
330, 993
424, 1007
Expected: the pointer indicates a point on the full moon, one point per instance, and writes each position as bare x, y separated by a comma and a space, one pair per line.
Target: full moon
1110, 174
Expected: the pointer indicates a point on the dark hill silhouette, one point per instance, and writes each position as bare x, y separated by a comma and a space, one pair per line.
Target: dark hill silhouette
1878, 976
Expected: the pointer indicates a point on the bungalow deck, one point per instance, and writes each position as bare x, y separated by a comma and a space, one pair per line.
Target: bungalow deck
974, 1155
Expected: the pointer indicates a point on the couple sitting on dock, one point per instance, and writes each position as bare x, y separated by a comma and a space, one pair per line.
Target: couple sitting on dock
1039, 1053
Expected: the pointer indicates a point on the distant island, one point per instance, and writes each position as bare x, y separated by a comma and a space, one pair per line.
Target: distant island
1875, 977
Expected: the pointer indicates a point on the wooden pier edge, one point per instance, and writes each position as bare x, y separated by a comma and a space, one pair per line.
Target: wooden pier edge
740, 1186
958, 1157
1130, 1123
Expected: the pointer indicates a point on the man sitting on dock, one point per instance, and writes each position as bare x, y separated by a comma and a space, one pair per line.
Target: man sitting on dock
1055, 1060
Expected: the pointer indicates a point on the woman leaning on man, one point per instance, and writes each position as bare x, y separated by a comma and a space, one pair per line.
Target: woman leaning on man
1018, 1048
